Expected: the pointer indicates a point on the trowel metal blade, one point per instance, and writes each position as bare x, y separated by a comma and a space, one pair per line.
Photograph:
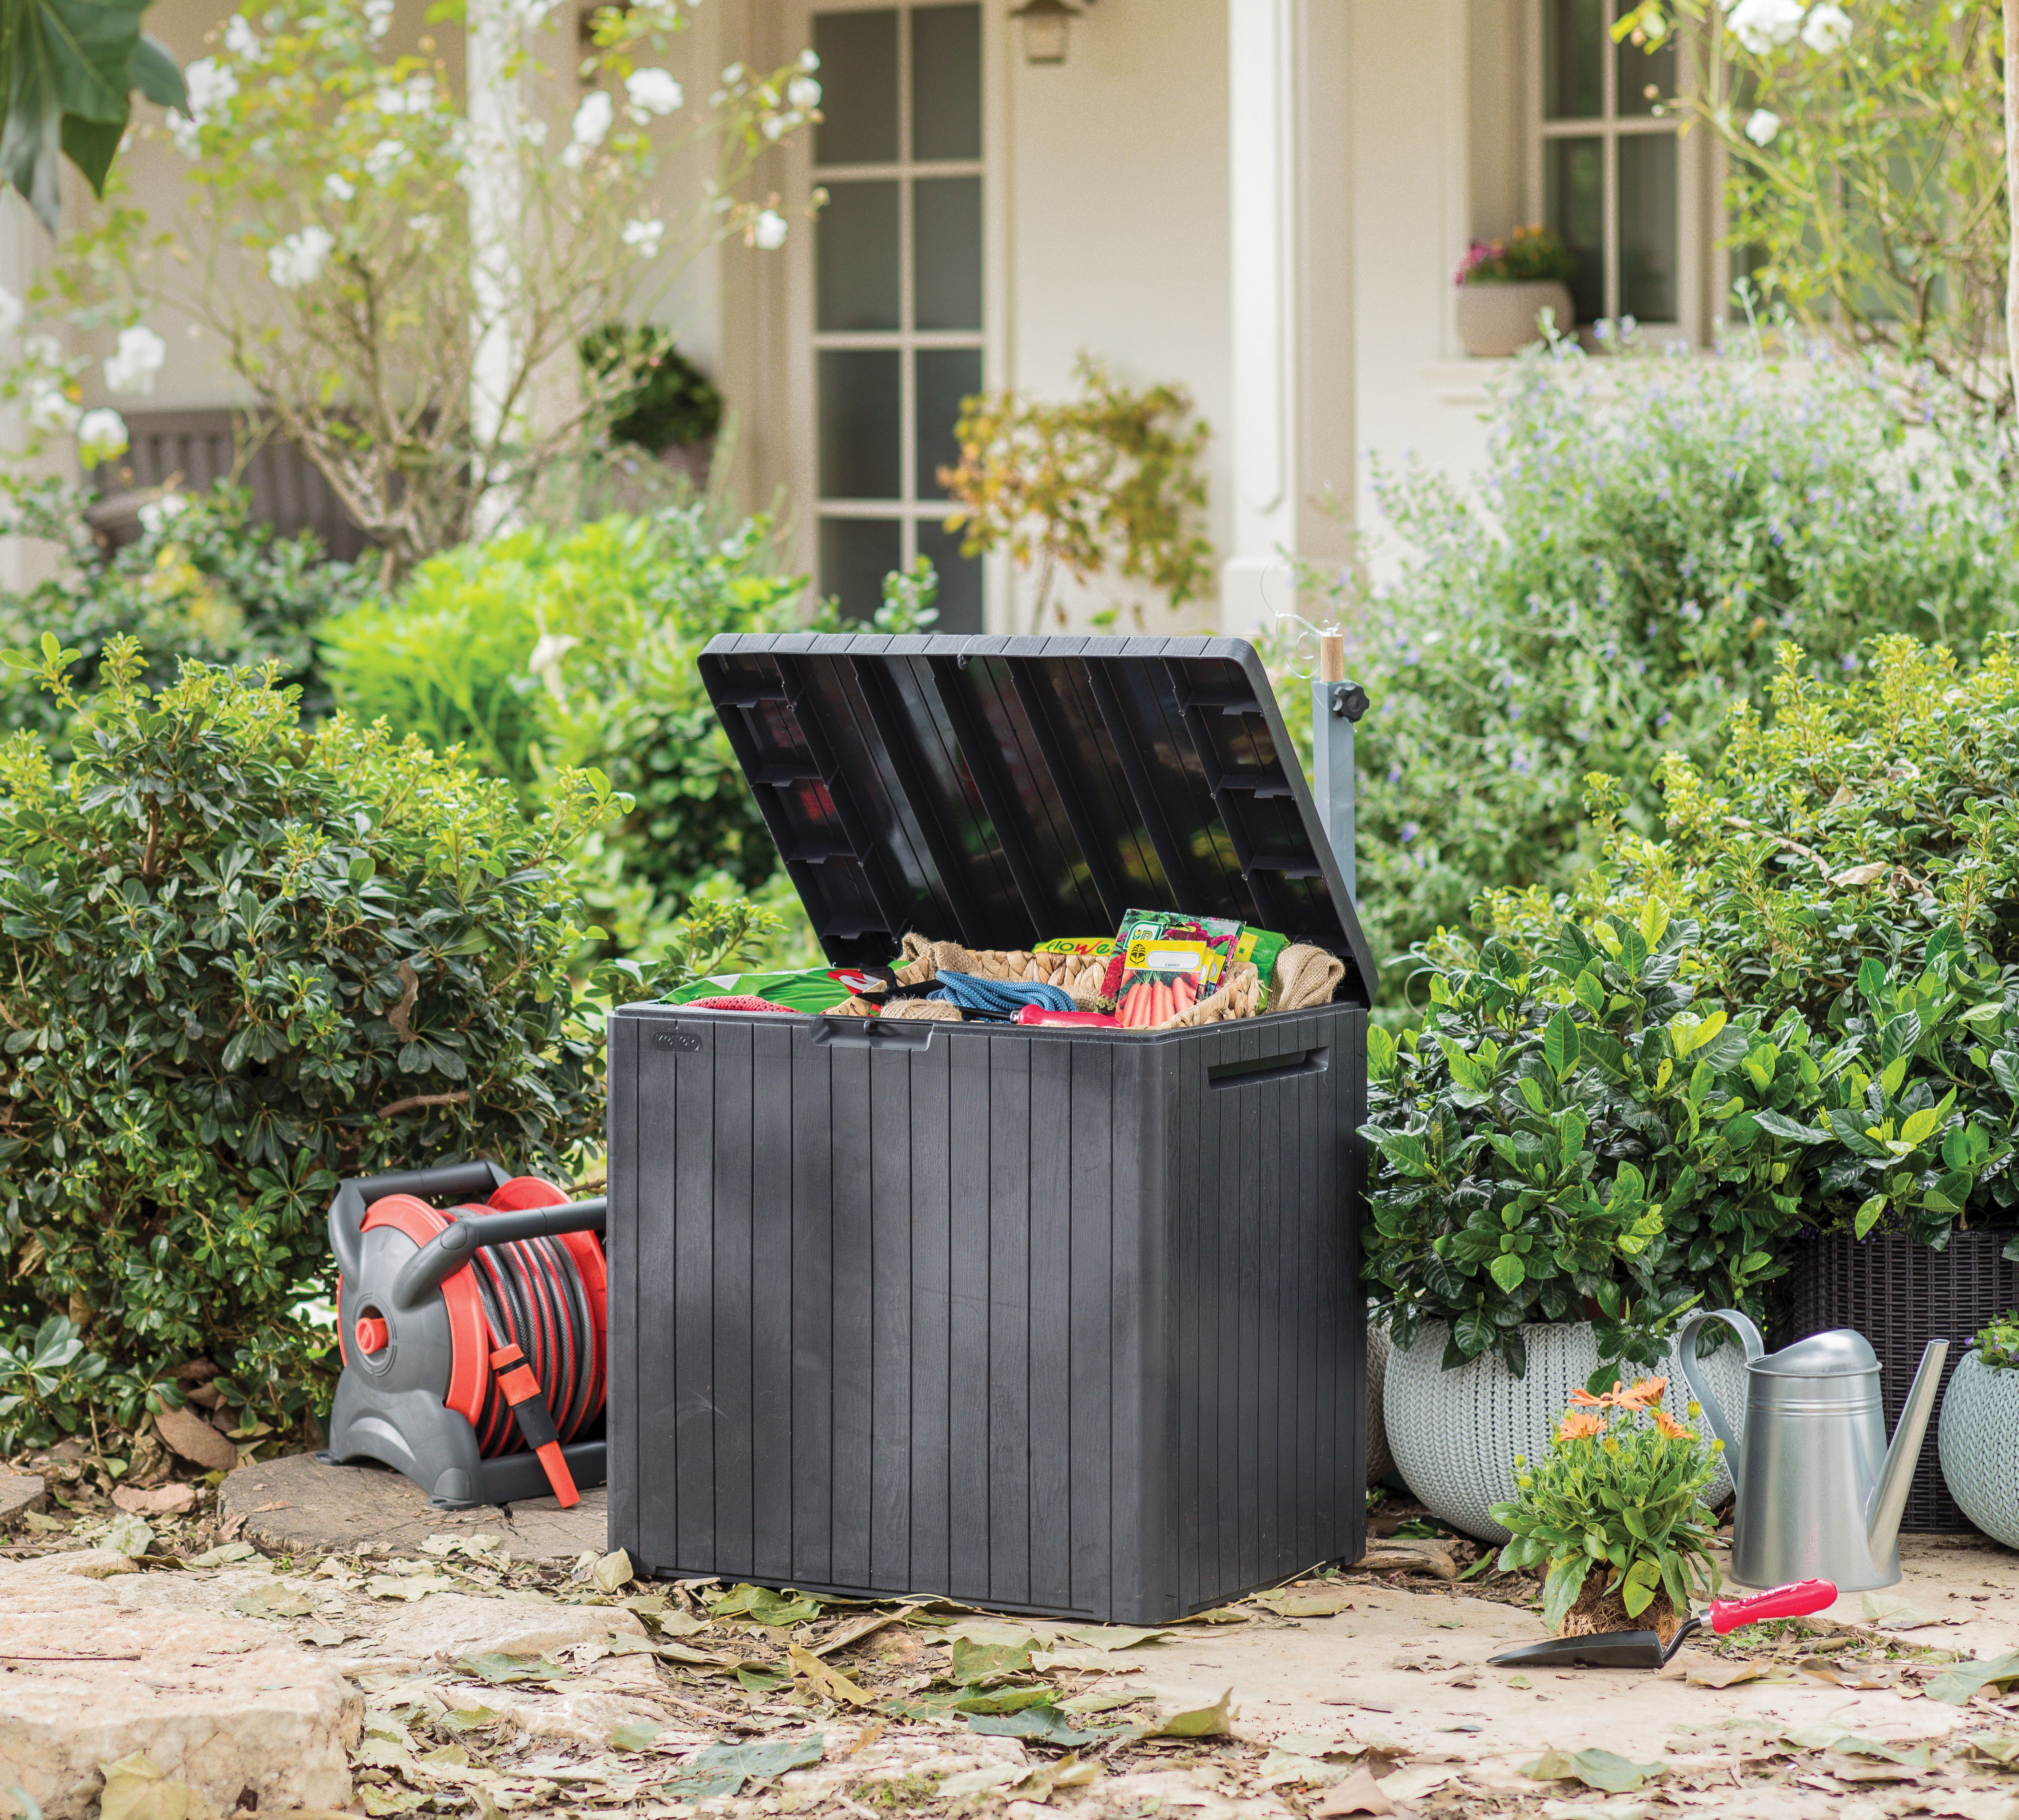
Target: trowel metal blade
1629, 1649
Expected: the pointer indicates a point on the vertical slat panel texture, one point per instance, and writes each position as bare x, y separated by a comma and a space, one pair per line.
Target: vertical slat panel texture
1048, 1322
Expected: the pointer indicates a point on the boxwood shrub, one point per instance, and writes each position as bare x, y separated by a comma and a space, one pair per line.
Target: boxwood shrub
242, 960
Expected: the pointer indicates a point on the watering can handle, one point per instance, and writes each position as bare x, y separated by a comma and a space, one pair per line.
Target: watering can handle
1686, 1356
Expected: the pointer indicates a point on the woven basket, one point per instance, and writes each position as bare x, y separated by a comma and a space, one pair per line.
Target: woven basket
1900, 1295
1454, 1433
1978, 1440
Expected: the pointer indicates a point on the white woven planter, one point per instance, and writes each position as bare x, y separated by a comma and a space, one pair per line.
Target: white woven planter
1454, 1433
1380, 1461
1978, 1436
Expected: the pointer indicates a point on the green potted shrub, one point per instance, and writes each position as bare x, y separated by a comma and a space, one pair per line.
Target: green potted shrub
1505, 286
1616, 1513
1570, 1152
1850, 863
1978, 1432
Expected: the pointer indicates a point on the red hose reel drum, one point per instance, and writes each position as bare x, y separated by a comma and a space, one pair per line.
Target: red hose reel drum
475, 1337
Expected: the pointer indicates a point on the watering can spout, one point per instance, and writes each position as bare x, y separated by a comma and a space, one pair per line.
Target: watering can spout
1888, 1501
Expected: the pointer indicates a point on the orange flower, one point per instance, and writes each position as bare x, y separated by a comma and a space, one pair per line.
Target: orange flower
1585, 1399
1643, 1395
1577, 1426
1671, 1427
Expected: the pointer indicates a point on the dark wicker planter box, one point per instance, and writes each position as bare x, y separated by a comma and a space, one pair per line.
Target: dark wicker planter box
1900, 1295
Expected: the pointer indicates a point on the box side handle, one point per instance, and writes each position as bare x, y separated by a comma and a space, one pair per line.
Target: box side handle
873, 1033
1258, 1069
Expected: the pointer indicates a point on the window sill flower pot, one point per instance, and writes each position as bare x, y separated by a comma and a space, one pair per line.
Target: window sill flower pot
1455, 1434
1978, 1442
1495, 320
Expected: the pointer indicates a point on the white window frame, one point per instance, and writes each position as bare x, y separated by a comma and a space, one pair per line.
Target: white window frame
1698, 260
809, 340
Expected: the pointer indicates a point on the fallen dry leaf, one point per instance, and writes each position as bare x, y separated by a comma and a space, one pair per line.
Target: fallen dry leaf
136, 1790
1409, 1557
1727, 1672
195, 1440
277, 1504
831, 1682
1360, 1793
162, 1501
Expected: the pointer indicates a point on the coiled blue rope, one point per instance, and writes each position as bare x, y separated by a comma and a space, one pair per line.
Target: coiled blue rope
999, 998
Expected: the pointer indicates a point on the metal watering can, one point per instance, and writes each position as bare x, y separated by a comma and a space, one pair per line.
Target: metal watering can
1820, 1493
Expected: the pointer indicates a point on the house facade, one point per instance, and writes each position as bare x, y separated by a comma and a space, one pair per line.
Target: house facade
1261, 201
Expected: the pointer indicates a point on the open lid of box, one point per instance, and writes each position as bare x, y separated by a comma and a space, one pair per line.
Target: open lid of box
1000, 792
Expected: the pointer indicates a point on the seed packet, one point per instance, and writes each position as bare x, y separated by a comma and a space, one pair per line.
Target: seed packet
1169, 962
1264, 947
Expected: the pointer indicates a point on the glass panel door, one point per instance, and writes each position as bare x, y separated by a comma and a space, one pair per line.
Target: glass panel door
898, 307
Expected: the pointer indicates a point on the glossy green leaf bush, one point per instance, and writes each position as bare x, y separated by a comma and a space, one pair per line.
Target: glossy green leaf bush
1570, 1134
1621, 1491
242, 960
1854, 860
538, 653
1646, 533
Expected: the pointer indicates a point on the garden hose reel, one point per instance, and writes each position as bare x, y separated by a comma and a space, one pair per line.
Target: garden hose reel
474, 1336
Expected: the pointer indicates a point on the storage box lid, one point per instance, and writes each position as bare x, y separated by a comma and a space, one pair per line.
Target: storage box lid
998, 792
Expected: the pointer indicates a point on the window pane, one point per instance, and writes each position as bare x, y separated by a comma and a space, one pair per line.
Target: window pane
946, 265
1645, 77
857, 234
855, 555
858, 74
1573, 183
946, 82
946, 375
1573, 59
860, 408
959, 599
1648, 288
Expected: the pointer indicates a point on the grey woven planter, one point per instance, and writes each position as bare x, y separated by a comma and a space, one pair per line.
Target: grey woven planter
1380, 1461
1979, 1444
1454, 1433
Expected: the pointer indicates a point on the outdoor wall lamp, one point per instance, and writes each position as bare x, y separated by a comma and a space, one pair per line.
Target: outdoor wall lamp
1047, 29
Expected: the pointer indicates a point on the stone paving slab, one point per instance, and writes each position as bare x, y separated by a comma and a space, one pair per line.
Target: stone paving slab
298, 1507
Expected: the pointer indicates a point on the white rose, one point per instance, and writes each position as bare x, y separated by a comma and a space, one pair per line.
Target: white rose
384, 158
643, 237
12, 312
298, 260
240, 39
338, 187
653, 92
593, 119
49, 409
1827, 28
378, 16
156, 515
809, 61
1765, 25
1764, 126
803, 93
141, 356
768, 231
101, 435
211, 84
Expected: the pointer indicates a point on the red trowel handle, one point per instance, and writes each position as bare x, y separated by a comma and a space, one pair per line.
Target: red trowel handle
1795, 1601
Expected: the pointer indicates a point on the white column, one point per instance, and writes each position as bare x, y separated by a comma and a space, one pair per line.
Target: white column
493, 79
1262, 126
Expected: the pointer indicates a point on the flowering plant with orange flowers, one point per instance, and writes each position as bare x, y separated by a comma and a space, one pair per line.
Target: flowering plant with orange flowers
1621, 1491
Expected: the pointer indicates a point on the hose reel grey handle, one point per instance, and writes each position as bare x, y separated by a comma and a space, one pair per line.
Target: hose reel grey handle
450, 1249
354, 1198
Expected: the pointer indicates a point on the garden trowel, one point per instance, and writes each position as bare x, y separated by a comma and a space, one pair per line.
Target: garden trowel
1643, 1649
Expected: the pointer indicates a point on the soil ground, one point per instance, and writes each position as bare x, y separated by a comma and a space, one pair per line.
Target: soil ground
496, 1680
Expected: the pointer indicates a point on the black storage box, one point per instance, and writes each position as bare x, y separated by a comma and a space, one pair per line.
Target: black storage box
1063, 1322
